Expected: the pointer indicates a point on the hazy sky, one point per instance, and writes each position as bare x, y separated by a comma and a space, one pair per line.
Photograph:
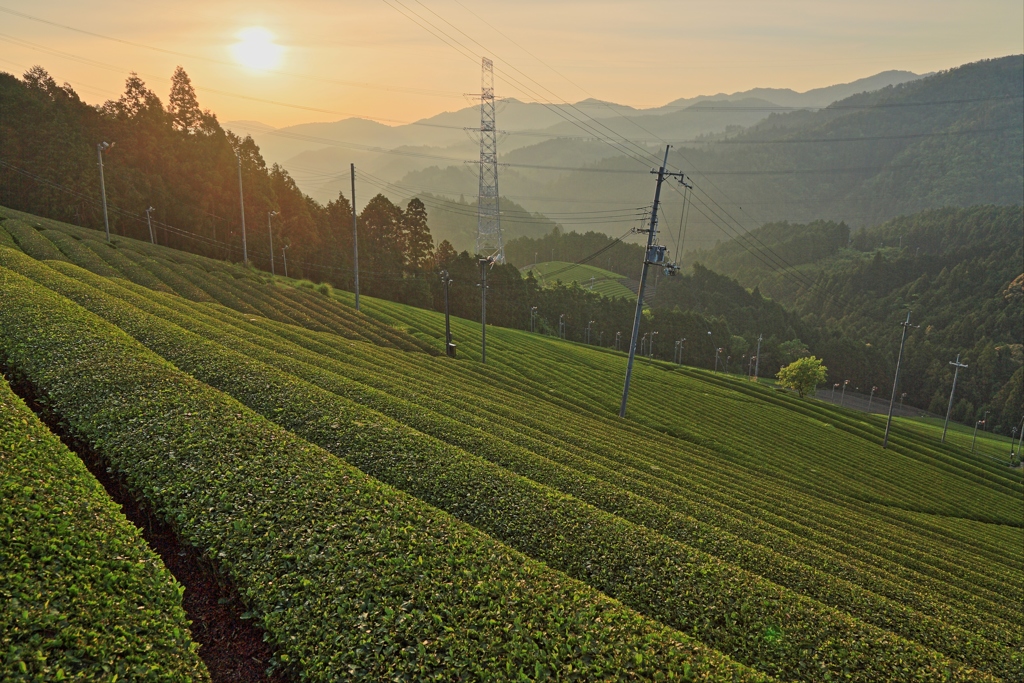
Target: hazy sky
642, 52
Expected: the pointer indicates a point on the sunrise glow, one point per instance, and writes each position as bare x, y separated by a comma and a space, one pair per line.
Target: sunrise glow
257, 50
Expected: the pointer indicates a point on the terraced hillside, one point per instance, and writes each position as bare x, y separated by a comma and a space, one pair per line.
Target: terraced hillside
387, 512
599, 280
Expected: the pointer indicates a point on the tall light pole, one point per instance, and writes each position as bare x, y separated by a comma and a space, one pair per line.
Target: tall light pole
355, 236
718, 351
270, 235
485, 264
100, 149
241, 205
643, 345
653, 254
675, 353
949, 409
834, 387
284, 257
533, 319
149, 222
561, 325
975, 439
871, 397
650, 347
449, 347
842, 394
896, 380
589, 323
757, 358
618, 341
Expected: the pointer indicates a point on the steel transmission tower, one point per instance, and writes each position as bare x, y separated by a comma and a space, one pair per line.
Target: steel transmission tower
488, 222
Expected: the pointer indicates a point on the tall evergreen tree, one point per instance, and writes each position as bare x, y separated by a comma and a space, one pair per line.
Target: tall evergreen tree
417, 241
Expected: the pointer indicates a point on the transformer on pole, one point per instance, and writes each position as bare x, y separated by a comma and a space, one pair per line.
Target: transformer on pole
488, 223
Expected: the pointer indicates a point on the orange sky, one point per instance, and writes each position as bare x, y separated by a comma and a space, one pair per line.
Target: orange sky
642, 53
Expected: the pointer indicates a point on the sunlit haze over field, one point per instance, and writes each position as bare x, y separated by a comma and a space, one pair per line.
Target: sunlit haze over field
401, 60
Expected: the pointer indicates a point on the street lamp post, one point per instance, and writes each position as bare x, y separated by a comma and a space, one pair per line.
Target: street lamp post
872, 397
449, 347
533, 319
149, 222
975, 439
650, 347
100, 149
241, 206
270, 235
284, 257
561, 325
618, 340
949, 409
832, 399
896, 380
717, 352
842, 394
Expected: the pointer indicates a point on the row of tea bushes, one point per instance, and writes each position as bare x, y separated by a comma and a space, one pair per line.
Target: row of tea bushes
348, 577
82, 597
754, 621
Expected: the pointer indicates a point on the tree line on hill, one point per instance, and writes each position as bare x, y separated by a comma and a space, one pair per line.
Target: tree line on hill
840, 296
178, 159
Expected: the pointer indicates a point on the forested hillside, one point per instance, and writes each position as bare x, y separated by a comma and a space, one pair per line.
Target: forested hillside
180, 161
957, 270
955, 138
814, 288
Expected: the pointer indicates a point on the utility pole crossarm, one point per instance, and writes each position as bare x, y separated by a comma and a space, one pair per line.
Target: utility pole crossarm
654, 255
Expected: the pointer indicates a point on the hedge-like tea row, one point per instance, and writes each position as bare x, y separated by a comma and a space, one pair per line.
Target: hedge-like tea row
754, 621
608, 443
113, 257
202, 279
904, 593
349, 577
79, 254
738, 478
820, 586
955, 642
81, 594
31, 242
5, 238
888, 544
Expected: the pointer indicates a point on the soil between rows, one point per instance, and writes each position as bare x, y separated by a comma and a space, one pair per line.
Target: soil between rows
232, 648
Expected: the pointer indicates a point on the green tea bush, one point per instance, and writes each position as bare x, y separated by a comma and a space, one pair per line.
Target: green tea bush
349, 578
82, 597
654, 575
31, 242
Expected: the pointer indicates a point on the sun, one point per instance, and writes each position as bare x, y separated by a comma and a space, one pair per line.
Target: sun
256, 49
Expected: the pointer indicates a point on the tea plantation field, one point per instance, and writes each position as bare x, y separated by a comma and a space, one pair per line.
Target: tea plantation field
387, 513
602, 281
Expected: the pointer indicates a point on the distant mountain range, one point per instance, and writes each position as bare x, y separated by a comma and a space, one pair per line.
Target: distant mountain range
316, 152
